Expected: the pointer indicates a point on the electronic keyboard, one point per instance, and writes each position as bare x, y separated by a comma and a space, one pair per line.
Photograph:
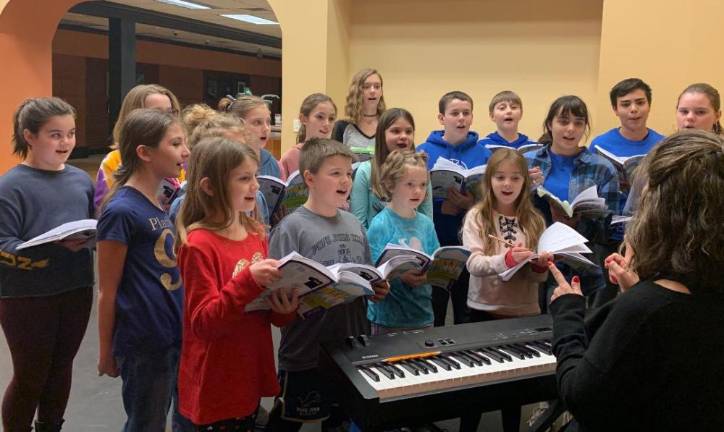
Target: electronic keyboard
415, 377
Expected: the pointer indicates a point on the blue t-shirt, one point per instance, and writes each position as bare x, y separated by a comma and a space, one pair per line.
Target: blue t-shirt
149, 298
558, 179
494, 138
619, 145
404, 306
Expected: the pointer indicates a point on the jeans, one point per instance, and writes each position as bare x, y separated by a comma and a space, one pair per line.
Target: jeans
149, 380
458, 293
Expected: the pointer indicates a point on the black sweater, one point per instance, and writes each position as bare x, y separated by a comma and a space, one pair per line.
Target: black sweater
652, 360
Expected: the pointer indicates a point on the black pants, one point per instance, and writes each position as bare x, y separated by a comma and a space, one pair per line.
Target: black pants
458, 292
510, 413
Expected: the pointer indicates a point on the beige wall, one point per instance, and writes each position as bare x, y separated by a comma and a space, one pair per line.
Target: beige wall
425, 48
668, 44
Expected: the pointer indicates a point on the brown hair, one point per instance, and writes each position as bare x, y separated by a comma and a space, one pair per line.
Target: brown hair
381, 151
564, 106
242, 105
218, 125
193, 115
353, 108
214, 159
531, 222
136, 98
714, 99
308, 105
677, 231
32, 114
317, 150
505, 96
394, 169
450, 96
142, 126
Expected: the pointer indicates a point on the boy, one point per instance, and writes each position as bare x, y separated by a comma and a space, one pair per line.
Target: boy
506, 110
457, 143
320, 231
631, 102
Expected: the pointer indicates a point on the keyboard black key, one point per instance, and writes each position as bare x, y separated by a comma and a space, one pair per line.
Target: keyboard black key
430, 365
447, 358
530, 353
422, 366
512, 351
493, 354
441, 362
373, 376
476, 361
462, 358
410, 368
396, 370
504, 354
384, 370
476, 355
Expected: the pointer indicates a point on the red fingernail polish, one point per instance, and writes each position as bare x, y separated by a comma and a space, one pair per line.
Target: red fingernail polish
576, 279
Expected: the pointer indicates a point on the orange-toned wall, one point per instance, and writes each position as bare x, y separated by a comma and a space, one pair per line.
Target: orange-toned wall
26, 52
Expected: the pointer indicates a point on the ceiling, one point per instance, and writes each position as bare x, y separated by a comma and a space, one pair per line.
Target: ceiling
259, 8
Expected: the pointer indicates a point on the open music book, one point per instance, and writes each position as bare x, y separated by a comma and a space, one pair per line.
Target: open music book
587, 203
278, 193
443, 267
562, 241
318, 286
525, 148
446, 174
80, 229
625, 165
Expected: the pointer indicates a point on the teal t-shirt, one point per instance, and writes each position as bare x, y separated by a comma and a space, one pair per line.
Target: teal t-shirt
404, 306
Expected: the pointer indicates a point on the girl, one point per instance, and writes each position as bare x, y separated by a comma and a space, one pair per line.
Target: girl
395, 131
256, 117
365, 105
203, 122
404, 181
506, 212
699, 107
227, 359
317, 115
569, 169
140, 300
142, 96
45, 291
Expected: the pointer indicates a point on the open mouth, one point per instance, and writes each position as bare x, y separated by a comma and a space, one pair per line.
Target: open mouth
402, 146
250, 199
506, 193
342, 191
63, 151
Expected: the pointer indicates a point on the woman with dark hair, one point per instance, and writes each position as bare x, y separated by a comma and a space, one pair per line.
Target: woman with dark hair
652, 359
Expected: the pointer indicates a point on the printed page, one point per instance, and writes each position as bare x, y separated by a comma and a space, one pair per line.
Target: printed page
84, 228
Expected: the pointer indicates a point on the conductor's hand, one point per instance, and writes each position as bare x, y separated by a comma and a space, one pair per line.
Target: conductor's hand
564, 287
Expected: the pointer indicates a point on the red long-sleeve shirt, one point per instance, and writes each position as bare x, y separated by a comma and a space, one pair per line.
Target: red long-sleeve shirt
227, 357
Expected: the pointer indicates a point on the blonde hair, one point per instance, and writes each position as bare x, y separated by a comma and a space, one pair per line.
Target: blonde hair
243, 105
677, 231
394, 169
530, 220
353, 109
136, 98
219, 125
214, 158
193, 115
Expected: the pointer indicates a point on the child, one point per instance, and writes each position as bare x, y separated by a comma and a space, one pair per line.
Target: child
316, 115
506, 110
403, 182
699, 107
45, 291
457, 143
395, 131
140, 300
320, 231
227, 358
255, 115
506, 212
142, 96
203, 122
365, 104
569, 169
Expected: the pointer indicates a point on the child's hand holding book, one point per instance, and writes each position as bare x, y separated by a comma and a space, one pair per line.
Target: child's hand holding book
414, 278
284, 301
381, 288
265, 272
